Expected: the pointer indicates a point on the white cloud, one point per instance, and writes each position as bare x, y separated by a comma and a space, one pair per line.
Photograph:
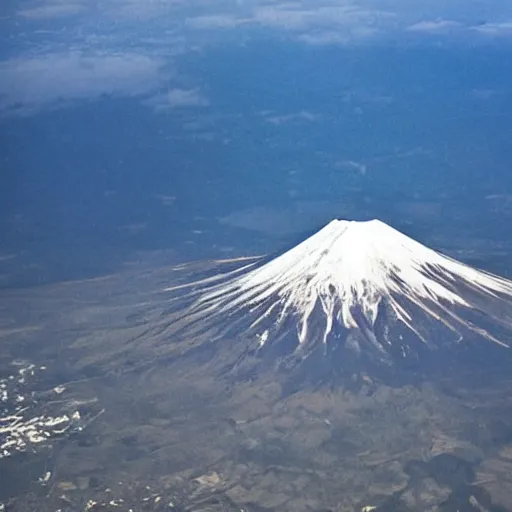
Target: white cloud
344, 22
33, 82
434, 26
290, 17
314, 24
178, 98
53, 10
328, 38
351, 166
185, 98
303, 115
503, 29
140, 10
214, 21
484, 94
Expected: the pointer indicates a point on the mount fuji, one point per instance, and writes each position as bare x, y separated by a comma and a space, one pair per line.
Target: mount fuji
352, 287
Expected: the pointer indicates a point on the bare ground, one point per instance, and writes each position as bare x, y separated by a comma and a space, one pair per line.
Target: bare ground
164, 430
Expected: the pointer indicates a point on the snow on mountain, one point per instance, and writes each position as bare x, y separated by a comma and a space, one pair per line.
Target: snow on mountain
363, 285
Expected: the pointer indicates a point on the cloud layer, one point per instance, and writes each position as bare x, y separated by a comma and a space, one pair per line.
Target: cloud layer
53, 78
77, 49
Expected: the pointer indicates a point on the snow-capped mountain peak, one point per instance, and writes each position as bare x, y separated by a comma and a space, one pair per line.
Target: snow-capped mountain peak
346, 277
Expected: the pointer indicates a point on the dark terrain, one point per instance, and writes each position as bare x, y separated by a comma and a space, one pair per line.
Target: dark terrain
162, 427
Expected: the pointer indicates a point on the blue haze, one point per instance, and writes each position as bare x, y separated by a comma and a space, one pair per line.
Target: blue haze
236, 140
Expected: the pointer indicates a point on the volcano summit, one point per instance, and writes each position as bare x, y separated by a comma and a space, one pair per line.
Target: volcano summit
358, 286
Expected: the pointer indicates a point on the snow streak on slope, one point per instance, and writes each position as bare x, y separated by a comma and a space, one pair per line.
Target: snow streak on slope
354, 281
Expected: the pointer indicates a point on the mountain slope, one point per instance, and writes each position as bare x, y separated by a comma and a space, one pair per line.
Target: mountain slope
362, 286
